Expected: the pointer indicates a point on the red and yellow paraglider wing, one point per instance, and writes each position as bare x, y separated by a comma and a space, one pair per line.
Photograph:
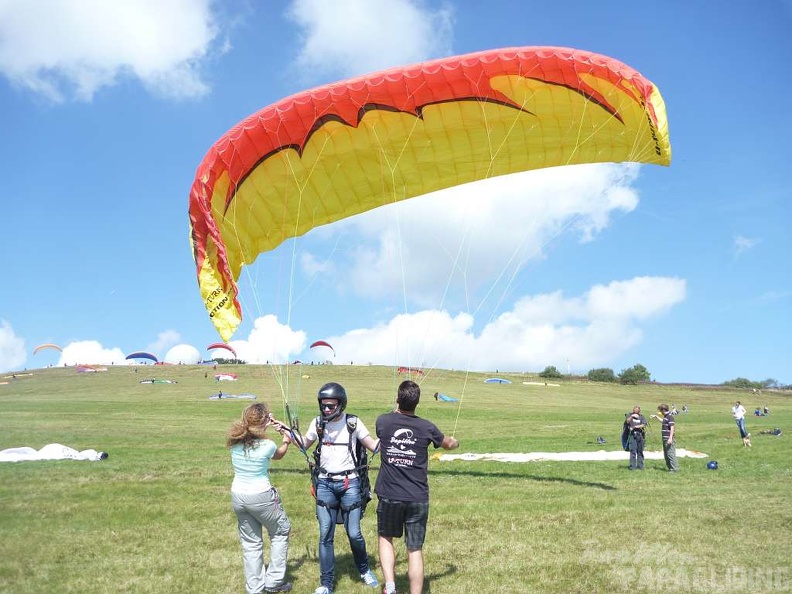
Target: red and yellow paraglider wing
352, 146
47, 345
221, 345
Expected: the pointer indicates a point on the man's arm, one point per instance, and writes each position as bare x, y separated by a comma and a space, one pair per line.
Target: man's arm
310, 436
449, 443
371, 444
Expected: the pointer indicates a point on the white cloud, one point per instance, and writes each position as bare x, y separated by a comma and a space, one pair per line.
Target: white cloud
165, 340
591, 330
351, 37
311, 265
640, 298
479, 234
743, 244
12, 349
91, 352
270, 342
72, 48
182, 354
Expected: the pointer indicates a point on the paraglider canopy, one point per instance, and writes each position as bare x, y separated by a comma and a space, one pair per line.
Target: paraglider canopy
323, 343
222, 345
496, 380
47, 345
142, 355
335, 151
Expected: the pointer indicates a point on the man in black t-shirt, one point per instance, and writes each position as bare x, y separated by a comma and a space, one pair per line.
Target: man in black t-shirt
403, 485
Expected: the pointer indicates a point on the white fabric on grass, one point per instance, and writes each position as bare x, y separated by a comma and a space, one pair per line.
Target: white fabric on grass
52, 451
564, 456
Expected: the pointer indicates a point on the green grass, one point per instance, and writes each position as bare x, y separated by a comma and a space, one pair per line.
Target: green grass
155, 516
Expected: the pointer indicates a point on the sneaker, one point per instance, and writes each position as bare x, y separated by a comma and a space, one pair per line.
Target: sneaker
323, 590
284, 587
385, 591
369, 579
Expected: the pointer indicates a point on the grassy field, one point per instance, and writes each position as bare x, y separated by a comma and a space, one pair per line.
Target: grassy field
155, 516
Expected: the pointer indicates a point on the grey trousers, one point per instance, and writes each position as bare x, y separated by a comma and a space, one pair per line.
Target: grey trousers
669, 453
254, 514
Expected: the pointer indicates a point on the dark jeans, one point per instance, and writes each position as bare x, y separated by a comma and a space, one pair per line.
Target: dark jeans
741, 426
637, 440
337, 498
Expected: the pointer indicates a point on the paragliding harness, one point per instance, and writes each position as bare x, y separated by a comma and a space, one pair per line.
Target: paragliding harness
627, 432
625, 436
360, 460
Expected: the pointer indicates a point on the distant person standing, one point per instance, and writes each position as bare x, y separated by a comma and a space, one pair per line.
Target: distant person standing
738, 412
256, 502
667, 432
637, 426
402, 484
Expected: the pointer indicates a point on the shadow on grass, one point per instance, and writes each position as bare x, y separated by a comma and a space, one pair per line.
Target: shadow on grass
345, 565
435, 575
530, 477
548, 479
294, 564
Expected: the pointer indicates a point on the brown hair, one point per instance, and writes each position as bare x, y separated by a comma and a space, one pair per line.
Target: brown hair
408, 396
250, 428
663, 408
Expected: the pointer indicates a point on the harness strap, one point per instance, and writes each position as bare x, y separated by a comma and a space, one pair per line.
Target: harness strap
359, 459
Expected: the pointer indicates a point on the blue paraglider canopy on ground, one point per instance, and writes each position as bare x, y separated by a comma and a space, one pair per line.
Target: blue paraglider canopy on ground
444, 398
496, 380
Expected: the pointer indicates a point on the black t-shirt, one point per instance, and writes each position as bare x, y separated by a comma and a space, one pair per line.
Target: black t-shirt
404, 444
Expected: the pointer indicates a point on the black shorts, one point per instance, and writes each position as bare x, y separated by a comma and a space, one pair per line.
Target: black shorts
395, 518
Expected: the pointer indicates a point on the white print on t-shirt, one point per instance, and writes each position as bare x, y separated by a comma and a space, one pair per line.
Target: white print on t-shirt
399, 452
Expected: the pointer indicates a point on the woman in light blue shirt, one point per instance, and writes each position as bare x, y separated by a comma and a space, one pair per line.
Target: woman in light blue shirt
256, 502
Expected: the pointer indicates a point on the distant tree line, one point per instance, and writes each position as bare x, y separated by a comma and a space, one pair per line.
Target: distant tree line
221, 361
638, 374
768, 384
634, 375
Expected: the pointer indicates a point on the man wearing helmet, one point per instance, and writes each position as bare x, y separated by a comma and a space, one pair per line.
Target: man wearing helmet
338, 482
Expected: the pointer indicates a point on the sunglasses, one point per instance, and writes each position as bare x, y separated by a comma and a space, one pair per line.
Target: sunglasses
328, 406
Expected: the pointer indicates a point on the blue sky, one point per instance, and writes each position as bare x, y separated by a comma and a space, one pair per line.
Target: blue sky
107, 108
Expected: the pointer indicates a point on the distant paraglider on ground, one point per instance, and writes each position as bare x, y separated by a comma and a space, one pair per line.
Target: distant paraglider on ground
444, 398
496, 380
